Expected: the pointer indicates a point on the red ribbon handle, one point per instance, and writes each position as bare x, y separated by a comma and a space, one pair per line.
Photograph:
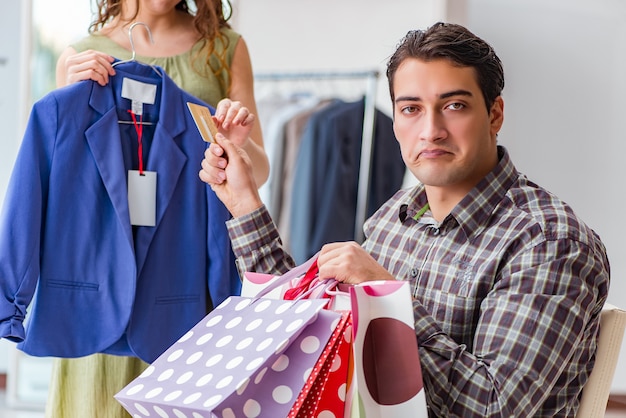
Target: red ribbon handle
303, 284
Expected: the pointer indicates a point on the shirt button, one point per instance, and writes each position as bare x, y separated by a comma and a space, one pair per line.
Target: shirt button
413, 272
436, 231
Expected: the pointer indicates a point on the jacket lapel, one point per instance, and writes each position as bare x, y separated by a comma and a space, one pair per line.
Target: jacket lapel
104, 141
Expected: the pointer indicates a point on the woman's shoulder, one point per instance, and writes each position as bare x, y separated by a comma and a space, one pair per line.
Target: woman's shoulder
96, 42
230, 33
232, 37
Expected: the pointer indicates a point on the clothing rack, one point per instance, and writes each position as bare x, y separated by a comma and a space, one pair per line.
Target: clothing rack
369, 119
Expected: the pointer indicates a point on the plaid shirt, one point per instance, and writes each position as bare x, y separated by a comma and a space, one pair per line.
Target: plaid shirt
507, 292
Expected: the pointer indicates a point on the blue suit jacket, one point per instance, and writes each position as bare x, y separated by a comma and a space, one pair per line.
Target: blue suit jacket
99, 284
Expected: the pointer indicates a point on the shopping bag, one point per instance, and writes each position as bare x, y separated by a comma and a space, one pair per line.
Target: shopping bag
300, 282
386, 377
324, 392
339, 297
323, 395
248, 357
287, 377
293, 283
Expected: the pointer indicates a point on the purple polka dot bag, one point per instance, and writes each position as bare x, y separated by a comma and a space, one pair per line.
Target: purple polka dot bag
250, 357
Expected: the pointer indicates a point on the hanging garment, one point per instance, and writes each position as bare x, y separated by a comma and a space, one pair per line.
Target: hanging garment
273, 112
100, 284
325, 185
274, 140
293, 135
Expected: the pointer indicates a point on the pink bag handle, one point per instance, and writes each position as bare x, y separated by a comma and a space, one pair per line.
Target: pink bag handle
309, 283
305, 286
324, 285
295, 272
340, 289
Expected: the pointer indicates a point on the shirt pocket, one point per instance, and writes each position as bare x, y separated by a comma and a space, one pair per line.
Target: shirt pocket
456, 277
463, 279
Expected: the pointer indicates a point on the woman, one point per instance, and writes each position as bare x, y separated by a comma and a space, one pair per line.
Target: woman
196, 47
199, 51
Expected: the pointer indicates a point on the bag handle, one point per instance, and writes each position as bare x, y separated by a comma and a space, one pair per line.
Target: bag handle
309, 283
303, 285
340, 289
294, 273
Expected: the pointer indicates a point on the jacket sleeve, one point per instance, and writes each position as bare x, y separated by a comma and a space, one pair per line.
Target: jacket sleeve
22, 218
223, 280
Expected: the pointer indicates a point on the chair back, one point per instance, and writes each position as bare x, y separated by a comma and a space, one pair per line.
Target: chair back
596, 391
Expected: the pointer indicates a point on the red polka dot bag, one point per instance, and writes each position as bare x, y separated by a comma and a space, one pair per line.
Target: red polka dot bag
324, 393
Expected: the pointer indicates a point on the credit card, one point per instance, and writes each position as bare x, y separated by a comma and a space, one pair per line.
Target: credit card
202, 117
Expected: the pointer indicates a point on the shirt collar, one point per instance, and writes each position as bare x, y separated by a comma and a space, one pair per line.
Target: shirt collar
474, 210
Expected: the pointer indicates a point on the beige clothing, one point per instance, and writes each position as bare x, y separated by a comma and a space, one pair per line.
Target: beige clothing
188, 70
84, 387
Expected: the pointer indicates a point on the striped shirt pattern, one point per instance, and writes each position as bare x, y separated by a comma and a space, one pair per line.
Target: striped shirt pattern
507, 292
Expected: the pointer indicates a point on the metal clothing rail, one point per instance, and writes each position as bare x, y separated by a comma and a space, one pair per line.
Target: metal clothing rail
369, 120
280, 76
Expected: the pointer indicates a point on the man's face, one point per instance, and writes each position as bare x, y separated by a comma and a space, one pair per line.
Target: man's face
447, 137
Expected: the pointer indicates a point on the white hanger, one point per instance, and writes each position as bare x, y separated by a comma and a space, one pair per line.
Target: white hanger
132, 46
132, 59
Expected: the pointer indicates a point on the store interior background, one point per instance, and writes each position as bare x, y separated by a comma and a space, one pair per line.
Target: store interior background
564, 64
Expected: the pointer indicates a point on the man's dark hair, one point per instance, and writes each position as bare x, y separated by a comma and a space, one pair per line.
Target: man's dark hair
458, 45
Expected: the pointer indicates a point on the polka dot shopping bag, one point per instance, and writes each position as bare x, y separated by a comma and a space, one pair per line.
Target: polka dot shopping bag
250, 357
324, 393
385, 380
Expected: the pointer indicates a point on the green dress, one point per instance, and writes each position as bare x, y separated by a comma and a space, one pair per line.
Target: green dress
84, 387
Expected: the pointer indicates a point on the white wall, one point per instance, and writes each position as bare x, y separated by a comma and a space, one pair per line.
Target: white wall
14, 26
565, 67
323, 35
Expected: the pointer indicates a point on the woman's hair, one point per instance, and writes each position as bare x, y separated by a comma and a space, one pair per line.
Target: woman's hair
458, 45
208, 20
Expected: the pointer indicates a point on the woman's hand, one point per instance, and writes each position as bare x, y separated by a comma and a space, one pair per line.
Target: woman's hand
234, 121
87, 65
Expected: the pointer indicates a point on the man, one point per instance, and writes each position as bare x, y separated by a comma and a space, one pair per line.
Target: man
507, 282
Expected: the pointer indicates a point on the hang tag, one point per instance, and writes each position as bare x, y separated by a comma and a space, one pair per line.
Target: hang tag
136, 107
138, 93
142, 197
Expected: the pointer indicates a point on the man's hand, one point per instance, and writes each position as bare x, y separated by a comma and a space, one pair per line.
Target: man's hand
227, 169
348, 262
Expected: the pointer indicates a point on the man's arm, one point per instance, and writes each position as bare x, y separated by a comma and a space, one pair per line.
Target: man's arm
254, 237
536, 332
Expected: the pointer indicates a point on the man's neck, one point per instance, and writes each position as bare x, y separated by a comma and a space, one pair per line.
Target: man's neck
443, 200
